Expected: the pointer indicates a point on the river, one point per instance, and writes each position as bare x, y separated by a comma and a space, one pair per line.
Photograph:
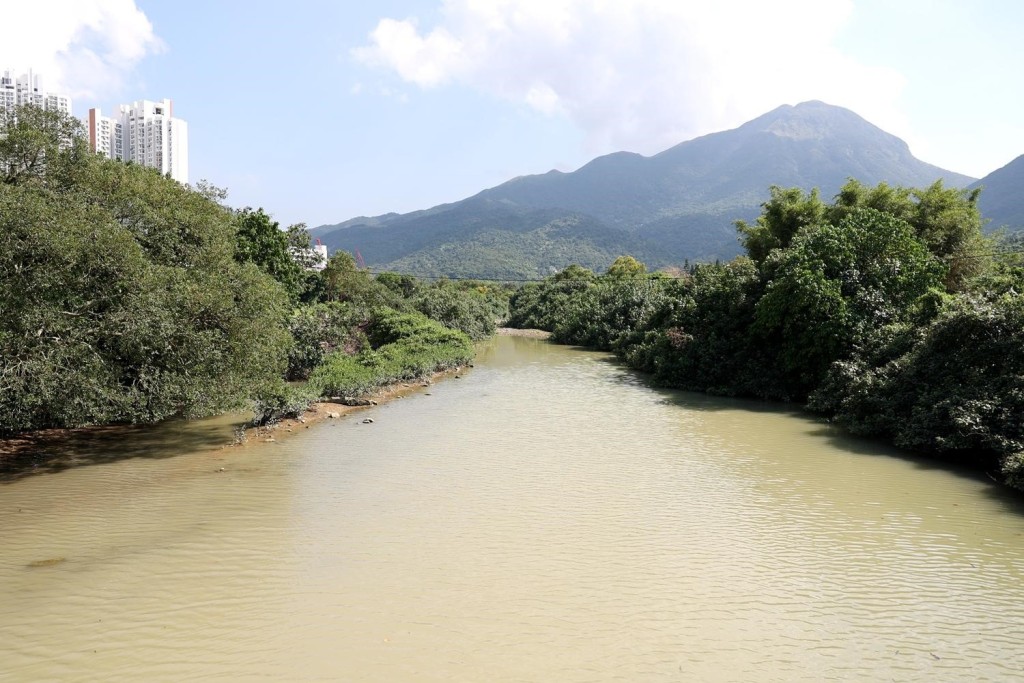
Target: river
545, 517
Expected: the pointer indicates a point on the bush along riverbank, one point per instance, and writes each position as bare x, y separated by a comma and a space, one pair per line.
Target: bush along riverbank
886, 311
130, 298
396, 347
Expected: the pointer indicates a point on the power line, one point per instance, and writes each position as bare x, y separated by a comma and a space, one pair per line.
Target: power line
652, 277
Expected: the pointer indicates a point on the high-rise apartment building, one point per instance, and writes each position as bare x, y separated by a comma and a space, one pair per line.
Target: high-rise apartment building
144, 132
27, 89
106, 135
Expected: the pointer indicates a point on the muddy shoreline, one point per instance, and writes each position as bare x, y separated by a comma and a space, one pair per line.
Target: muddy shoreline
328, 410
514, 332
323, 410
54, 450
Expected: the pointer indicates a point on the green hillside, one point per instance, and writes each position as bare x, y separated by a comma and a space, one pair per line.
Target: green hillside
1002, 196
677, 205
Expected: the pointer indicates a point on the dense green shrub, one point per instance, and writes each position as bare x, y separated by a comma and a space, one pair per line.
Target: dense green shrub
404, 346
121, 297
700, 338
344, 375
887, 308
405, 286
953, 386
342, 280
832, 286
278, 400
609, 311
540, 306
320, 329
461, 309
578, 307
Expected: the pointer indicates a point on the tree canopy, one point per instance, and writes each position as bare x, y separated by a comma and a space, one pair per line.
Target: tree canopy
946, 220
121, 297
886, 310
261, 241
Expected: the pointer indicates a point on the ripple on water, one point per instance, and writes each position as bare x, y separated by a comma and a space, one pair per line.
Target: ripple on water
546, 517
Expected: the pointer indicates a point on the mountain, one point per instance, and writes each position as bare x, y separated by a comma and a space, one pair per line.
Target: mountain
1002, 196
678, 204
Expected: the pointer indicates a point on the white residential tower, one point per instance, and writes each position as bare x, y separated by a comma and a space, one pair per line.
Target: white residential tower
27, 89
144, 132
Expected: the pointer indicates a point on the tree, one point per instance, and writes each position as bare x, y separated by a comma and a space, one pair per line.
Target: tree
955, 385
318, 330
626, 267
542, 305
300, 246
574, 273
947, 220
261, 241
834, 284
403, 285
39, 145
343, 280
699, 338
463, 310
122, 300
782, 217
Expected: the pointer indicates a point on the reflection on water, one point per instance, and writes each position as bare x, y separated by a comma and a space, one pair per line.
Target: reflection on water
546, 517
54, 451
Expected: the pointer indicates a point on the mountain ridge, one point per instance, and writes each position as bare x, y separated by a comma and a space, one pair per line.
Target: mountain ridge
680, 203
1002, 196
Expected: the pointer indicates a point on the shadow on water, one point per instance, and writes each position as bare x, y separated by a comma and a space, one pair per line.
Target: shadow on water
985, 471
53, 451
696, 400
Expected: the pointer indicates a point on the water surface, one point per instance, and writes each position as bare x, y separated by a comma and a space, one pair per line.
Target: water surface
546, 517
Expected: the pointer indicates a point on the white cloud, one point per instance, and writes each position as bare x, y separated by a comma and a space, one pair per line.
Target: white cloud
81, 47
641, 74
426, 61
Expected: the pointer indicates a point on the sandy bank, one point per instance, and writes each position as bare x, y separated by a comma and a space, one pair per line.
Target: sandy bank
328, 410
57, 449
54, 450
513, 332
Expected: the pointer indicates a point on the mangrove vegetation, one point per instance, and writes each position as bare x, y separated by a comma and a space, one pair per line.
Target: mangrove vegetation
885, 311
127, 297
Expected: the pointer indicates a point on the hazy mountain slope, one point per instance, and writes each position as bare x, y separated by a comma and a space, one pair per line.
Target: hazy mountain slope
497, 253
472, 238
810, 145
678, 204
1002, 196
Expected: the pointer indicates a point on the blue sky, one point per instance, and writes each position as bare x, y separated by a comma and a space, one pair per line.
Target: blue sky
320, 111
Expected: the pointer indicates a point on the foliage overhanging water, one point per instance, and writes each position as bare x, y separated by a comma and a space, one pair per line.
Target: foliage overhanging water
545, 517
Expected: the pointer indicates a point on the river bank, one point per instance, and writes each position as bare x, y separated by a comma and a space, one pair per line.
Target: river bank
547, 516
53, 450
514, 332
338, 408
327, 410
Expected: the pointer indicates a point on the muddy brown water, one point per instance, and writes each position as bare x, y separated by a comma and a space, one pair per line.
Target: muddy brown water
546, 517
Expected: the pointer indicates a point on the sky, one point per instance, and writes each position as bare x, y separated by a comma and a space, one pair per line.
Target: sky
321, 111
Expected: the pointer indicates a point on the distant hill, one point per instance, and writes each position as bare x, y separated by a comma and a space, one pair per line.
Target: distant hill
1002, 196
678, 204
